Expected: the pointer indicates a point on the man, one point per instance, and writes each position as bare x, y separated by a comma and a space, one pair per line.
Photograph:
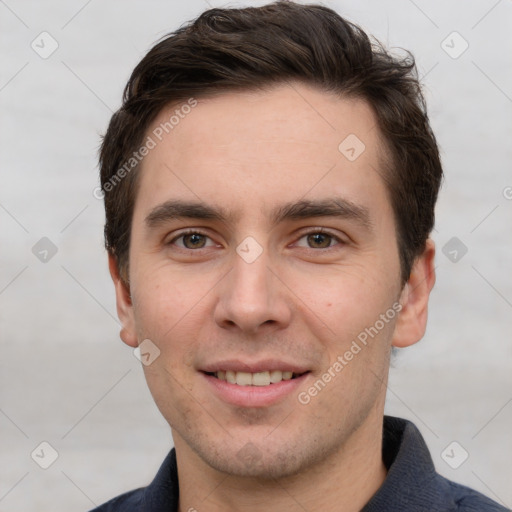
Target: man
270, 184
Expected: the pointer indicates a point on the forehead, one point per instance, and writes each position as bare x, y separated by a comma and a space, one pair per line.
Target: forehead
249, 150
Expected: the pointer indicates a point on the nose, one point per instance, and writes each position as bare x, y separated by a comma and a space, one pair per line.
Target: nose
252, 298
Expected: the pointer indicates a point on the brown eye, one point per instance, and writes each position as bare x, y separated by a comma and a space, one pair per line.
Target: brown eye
319, 240
194, 241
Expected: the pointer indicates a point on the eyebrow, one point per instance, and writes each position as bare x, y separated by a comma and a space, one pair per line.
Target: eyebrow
299, 210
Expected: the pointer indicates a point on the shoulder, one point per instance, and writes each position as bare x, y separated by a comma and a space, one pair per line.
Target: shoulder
127, 502
412, 482
469, 500
160, 495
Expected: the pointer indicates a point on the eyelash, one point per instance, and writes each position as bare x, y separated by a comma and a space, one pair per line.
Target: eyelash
304, 234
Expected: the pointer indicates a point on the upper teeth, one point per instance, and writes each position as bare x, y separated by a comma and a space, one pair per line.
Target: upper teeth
254, 379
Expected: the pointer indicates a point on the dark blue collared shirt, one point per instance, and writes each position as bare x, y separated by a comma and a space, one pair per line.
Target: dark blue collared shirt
411, 485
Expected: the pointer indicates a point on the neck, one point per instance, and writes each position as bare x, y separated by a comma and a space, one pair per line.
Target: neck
343, 481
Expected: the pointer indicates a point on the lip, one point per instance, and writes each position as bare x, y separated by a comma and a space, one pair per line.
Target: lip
235, 365
254, 396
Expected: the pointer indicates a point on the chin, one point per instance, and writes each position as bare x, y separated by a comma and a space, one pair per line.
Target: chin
261, 459
251, 464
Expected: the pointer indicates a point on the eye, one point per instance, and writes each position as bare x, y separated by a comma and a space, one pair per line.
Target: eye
318, 240
192, 240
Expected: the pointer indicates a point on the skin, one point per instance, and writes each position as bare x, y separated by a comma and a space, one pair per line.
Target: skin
303, 300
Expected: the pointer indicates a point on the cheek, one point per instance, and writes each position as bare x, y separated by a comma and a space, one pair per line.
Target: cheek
164, 296
169, 311
346, 301
357, 339
349, 306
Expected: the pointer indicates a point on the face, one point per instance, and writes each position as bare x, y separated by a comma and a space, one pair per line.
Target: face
261, 250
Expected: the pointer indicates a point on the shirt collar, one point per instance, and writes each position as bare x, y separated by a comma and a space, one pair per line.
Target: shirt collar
411, 483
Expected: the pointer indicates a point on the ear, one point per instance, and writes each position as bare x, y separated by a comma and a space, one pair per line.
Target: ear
124, 304
412, 320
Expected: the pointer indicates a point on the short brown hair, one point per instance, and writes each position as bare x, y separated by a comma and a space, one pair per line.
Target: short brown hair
255, 47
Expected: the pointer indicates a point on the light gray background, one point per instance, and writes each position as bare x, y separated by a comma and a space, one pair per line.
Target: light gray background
67, 379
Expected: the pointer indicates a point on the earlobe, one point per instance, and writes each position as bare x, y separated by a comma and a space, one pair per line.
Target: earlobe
124, 304
412, 321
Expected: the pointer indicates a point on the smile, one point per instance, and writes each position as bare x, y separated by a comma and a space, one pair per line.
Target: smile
254, 389
264, 378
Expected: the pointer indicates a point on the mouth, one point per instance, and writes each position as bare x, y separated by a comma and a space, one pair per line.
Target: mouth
263, 378
251, 385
